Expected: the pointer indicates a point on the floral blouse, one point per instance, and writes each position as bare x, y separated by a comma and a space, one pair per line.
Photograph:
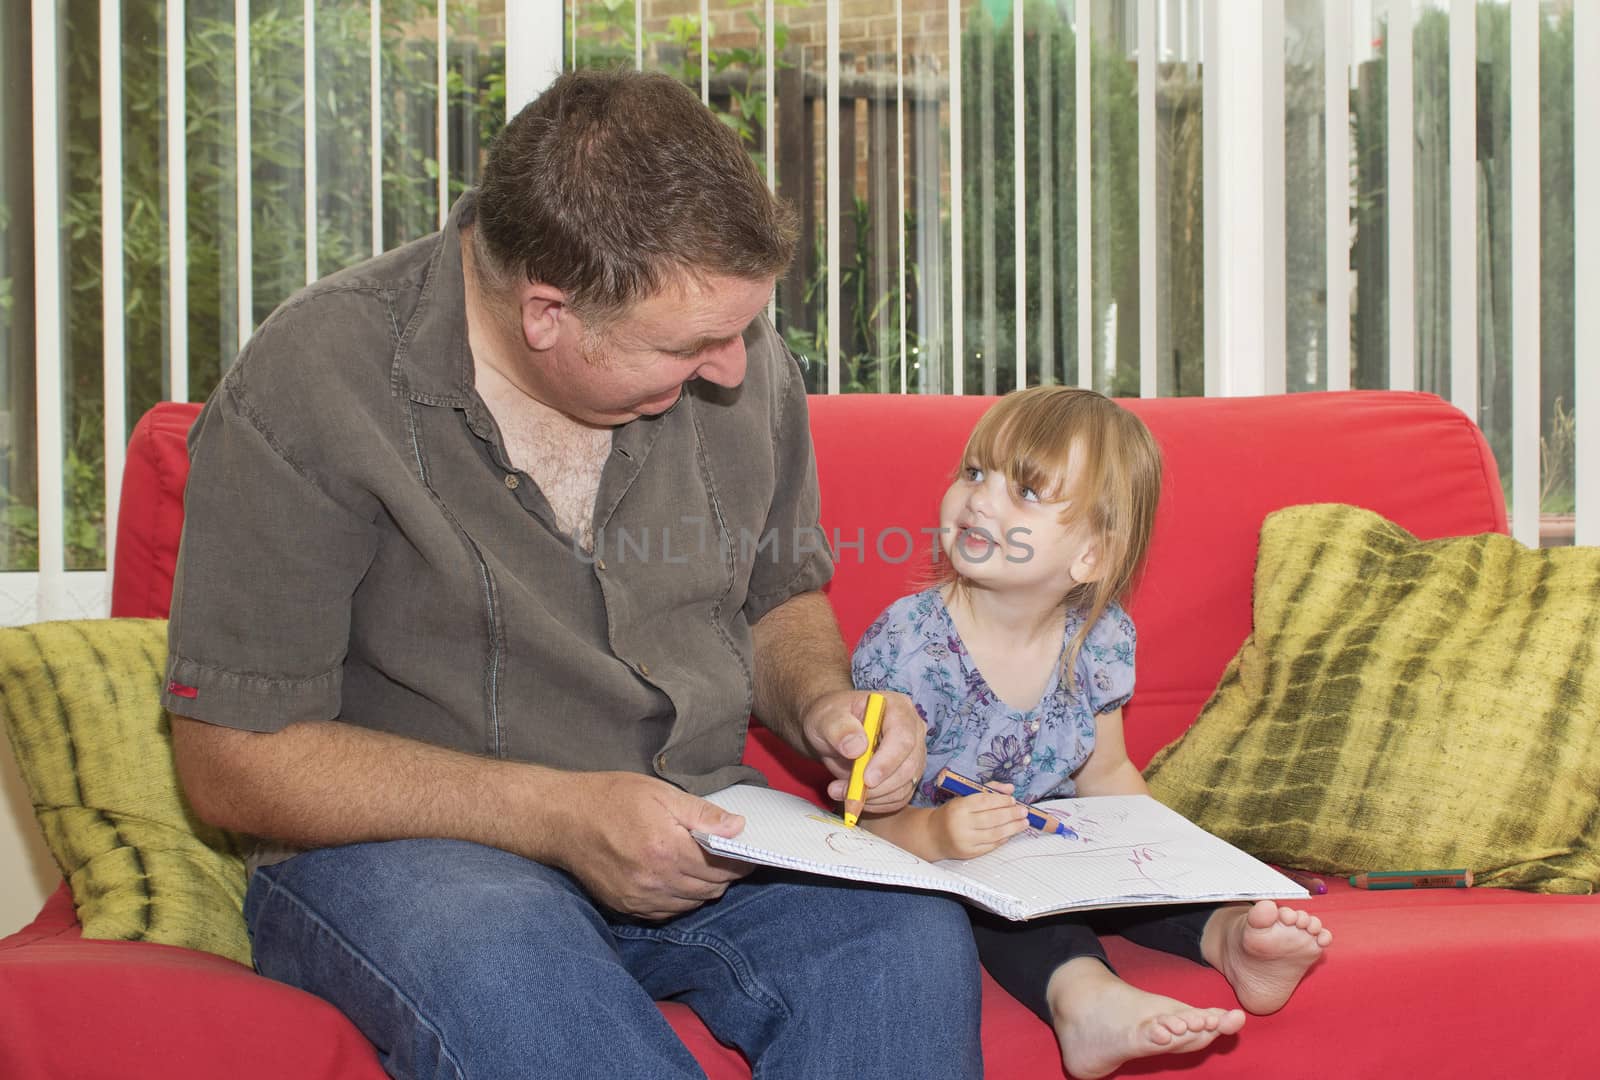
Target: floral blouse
914, 648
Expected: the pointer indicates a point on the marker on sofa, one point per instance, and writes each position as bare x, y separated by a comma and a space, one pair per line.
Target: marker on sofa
1043, 820
1309, 882
1413, 879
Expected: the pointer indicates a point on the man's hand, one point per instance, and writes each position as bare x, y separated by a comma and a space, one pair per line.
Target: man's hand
833, 731
628, 843
970, 825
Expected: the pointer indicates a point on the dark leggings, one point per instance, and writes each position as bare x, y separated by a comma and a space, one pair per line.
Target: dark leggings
1023, 955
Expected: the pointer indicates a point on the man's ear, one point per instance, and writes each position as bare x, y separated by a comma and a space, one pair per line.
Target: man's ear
544, 310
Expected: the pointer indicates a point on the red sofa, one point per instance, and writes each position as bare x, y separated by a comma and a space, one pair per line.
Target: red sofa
1469, 983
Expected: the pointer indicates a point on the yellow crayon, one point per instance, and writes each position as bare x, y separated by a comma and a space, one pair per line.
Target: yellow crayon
855, 794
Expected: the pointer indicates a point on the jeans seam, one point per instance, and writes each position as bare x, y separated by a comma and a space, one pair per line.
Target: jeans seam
362, 959
730, 956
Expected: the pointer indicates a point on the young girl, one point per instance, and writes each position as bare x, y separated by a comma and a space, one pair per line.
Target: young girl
1020, 661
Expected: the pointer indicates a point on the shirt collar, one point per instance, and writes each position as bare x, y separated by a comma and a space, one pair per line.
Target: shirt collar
433, 361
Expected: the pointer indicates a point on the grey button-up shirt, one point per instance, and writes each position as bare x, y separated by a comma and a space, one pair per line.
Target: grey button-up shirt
357, 545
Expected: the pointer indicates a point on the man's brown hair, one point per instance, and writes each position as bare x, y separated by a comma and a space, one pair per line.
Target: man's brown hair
611, 183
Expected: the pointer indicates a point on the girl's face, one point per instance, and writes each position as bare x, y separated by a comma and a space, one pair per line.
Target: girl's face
1002, 535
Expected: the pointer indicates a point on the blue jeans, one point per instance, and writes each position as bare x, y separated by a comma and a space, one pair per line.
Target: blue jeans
465, 961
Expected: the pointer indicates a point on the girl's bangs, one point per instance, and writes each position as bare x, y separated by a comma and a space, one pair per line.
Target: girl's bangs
1026, 444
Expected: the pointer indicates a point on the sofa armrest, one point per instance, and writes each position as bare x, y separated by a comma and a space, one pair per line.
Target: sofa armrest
76, 1007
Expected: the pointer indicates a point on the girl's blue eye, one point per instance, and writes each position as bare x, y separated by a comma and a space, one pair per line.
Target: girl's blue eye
972, 473
1027, 493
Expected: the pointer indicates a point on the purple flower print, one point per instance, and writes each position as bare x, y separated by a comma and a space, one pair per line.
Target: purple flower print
1003, 760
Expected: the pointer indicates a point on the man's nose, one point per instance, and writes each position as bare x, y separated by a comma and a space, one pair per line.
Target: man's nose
724, 364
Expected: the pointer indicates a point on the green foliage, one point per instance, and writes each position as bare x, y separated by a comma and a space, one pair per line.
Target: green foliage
410, 170
874, 364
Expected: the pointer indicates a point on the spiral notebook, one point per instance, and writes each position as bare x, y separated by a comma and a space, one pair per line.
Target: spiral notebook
1128, 850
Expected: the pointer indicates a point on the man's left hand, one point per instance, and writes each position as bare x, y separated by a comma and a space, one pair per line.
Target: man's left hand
833, 731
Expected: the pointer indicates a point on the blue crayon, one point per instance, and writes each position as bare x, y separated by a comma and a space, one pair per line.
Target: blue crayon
1043, 820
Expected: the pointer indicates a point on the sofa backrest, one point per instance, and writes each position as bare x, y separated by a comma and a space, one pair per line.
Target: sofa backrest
883, 461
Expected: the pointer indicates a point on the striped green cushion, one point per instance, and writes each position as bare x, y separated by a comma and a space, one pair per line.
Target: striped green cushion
82, 704
1406, 704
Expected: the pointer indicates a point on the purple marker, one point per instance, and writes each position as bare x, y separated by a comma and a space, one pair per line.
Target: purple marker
1313, 885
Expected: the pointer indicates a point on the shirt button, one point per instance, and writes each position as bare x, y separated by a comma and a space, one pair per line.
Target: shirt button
599, 564
1033, 725
512, 482
661, 763
644, 669
1027, 758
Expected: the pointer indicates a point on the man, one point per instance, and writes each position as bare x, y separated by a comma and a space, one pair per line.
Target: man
492, 544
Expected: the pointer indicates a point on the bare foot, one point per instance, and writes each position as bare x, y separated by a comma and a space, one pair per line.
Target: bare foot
1101, 1021
1263, 950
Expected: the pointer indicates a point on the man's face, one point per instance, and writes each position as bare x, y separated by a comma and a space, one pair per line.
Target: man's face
638, 365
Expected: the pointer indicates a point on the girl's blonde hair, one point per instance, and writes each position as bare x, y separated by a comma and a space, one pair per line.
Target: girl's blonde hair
1079, 448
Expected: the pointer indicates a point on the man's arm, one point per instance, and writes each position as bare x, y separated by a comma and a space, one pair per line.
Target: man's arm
318, 784
804, 694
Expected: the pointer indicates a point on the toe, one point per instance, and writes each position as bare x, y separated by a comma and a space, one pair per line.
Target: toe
1263, 914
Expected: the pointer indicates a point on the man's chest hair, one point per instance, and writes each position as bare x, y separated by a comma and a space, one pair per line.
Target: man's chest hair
565, 460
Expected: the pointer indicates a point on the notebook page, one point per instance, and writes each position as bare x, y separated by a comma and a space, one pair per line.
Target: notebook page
787, 831
1129, 849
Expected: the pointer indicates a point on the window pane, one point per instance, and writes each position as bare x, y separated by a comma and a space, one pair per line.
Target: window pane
1430, 49
879, 188
19, 513
1305, 185
1494, 231
82, 354
799, 110
1114, 151
344, 135
277, 154
1180, 202
1369, 217
410, 121
1050, 65
989, 241
1557, 311
477, 86
213, 177
870, 227
929, 330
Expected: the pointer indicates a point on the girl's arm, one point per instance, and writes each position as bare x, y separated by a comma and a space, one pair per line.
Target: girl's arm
1109, 771
962, 828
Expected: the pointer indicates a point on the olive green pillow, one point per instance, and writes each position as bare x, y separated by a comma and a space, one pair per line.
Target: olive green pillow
81, 702
1406, 704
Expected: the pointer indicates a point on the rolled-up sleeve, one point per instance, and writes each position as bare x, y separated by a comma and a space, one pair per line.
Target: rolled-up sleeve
269, 561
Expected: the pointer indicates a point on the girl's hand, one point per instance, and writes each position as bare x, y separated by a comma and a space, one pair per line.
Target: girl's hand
969, 825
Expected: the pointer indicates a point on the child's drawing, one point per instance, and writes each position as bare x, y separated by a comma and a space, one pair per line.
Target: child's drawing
850, 843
